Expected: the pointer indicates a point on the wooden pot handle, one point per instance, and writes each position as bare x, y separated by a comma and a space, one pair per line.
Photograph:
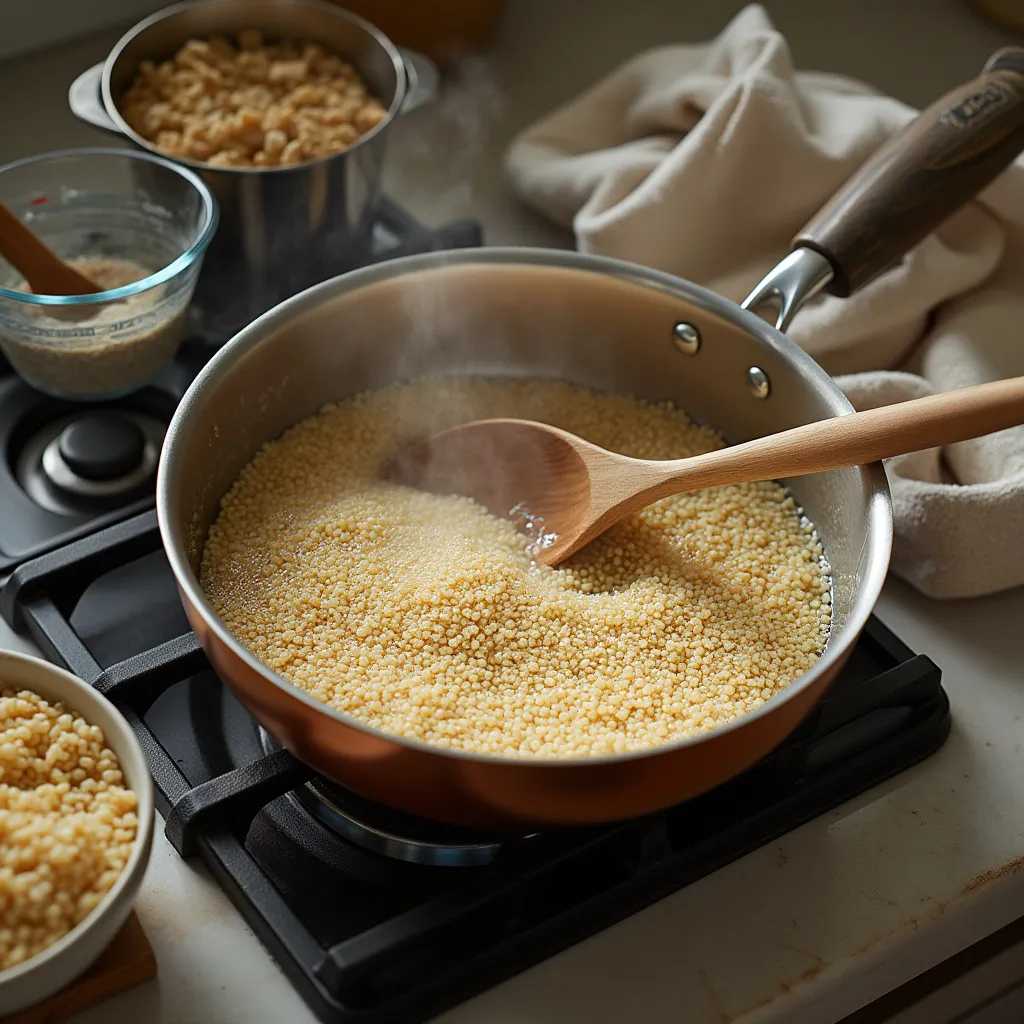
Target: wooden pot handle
926, 172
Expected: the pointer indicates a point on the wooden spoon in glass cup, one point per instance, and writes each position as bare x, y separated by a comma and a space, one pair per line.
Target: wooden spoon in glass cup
44, 271
570, 491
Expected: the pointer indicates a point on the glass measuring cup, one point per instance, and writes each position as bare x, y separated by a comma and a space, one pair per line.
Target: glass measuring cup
114, 211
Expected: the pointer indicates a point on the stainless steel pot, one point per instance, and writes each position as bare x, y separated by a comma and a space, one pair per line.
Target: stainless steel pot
281, 228
603, 324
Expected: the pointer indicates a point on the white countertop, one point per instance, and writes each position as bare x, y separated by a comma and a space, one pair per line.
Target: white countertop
837, 912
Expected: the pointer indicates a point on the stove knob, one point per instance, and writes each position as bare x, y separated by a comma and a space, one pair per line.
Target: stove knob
102, 446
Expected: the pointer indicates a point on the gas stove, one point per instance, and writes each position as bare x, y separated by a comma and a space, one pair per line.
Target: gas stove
372, 914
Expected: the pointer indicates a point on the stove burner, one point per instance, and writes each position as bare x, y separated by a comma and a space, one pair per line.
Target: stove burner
102, 446
400, 836
395, 834
89, 459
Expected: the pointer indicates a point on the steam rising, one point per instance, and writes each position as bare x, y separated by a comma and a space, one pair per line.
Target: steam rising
470, 324
444, 143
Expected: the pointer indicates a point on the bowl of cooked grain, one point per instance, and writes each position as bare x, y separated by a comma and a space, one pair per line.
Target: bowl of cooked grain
76, 826
284, 108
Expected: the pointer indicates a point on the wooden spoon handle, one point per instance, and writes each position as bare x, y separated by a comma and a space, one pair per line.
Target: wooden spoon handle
44, 271
856, 439
948, 154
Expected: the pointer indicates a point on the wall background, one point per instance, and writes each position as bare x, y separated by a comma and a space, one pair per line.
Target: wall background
27, 25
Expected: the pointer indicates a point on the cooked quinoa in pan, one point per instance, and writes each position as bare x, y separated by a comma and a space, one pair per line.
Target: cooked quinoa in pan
425, 617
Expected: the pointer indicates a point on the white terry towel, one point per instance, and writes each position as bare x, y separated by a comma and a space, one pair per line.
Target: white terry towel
705, 160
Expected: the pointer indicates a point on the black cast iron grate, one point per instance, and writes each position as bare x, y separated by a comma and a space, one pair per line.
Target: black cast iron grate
365, 938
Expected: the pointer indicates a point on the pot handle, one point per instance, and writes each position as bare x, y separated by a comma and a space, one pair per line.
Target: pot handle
422, 79
86, 101
917, 179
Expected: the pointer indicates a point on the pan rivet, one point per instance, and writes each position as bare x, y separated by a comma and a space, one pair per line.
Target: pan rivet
686, 338
758, 382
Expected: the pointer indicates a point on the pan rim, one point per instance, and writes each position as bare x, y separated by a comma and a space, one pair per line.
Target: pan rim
879, 531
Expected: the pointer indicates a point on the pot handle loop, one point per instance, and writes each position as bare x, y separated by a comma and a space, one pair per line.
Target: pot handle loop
422, 78
917, 179
789, 284
86, 101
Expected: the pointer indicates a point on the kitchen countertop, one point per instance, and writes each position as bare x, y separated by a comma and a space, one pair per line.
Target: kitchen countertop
839, 911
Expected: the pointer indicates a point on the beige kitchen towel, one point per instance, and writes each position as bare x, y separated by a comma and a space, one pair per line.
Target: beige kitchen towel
705, 160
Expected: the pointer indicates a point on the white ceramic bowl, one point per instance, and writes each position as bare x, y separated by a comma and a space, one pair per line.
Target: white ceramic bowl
48, 972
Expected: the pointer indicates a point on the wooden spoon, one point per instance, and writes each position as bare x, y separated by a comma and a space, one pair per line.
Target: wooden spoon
570, 490
44, 271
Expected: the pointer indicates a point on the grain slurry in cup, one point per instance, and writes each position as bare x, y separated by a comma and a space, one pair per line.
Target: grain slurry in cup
139, 226
102, 349
424, 616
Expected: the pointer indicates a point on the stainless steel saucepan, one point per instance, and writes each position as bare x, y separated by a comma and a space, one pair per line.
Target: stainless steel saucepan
281, 228
603, 324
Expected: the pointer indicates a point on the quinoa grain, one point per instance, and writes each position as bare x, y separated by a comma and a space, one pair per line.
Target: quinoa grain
424, 616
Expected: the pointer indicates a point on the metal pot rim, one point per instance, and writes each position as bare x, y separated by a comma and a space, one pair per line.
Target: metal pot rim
879, 511
398, 62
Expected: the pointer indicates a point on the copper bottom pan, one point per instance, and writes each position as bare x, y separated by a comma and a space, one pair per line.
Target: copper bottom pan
528, 313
